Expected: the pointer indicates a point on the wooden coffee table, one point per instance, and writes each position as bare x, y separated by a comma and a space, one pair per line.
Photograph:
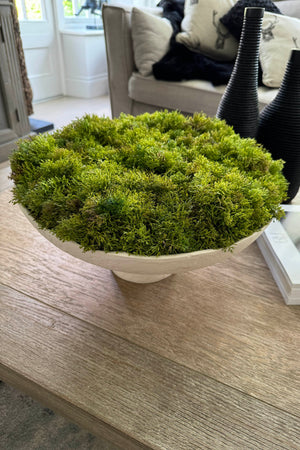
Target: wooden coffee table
205, 359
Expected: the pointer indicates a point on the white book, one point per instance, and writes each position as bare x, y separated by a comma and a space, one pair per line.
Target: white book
280, 246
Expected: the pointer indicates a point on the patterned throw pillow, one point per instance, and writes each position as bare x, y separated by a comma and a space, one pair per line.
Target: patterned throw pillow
279, 35
233, 20
202, 31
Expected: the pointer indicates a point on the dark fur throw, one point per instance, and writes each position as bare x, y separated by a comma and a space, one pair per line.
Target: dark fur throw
173, 10
180, 63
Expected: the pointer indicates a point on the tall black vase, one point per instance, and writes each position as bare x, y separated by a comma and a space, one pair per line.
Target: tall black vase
279, 124
239, 103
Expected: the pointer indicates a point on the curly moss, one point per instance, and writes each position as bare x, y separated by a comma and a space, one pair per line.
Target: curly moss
155, 184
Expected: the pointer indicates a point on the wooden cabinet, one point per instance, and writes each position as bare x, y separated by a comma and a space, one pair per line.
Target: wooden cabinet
14, 121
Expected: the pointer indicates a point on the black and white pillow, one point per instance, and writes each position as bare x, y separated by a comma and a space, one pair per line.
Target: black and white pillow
279, 35
233, 19
203, 32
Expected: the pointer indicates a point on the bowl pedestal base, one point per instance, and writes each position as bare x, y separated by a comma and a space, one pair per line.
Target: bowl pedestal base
140, 277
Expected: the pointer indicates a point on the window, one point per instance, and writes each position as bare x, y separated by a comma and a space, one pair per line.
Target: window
67, 10
72, 7
30, 9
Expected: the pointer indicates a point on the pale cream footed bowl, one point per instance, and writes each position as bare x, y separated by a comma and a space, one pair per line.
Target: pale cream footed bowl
145, 269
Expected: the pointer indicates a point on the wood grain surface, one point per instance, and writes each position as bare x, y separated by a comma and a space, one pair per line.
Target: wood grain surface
205, 359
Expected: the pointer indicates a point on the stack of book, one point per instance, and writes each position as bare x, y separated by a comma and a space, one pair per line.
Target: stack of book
280, 246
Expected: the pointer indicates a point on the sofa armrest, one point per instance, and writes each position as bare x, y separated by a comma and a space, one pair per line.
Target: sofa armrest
119, 53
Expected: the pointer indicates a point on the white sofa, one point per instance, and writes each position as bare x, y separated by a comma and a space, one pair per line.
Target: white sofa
132, 93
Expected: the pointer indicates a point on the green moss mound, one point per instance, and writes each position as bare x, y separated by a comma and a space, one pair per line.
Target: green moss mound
156, 184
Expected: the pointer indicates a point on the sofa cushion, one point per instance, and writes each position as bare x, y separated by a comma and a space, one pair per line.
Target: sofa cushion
279, 35
203, 32
233, 19
151, 36
183, 95
186, 96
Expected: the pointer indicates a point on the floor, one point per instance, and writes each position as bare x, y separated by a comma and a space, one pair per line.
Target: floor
63, 110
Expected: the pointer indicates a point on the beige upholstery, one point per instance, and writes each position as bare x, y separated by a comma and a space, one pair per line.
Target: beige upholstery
119, 52
134, 94
188, 96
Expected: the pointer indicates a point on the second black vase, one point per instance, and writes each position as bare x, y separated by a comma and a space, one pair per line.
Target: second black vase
239, 103
279, 124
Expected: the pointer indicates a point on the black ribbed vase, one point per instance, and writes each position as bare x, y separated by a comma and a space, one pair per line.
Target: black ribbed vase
239, 103
279, 124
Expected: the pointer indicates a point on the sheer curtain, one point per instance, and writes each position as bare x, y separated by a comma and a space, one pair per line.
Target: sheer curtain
25, 80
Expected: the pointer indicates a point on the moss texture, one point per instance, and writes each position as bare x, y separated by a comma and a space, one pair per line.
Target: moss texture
155, 184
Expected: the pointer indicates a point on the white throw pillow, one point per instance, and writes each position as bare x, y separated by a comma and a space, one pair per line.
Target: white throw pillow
290, 8
151, 39
279, 35
203, 32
